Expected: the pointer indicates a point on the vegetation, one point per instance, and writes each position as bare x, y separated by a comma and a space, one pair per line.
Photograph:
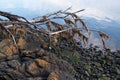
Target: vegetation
54, 32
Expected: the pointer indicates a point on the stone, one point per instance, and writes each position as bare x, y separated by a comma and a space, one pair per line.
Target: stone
10, 50
37, 78
42, 63
2, 56
21, 43
14, 64
33, 68
53, 76
41, 52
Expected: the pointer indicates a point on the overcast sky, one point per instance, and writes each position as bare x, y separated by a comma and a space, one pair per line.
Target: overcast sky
32, 8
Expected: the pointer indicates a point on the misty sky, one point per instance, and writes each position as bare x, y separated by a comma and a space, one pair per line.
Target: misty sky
33, 8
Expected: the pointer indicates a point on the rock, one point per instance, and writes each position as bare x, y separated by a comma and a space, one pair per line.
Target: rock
36, 63
10, 50
41, 52
36, 67
43, 64
14, 64
37, 78
118, 71
4, 43
2, 56
7, 47
21, 43
104, 78
53, 76
60, 75
32, 68
12, 57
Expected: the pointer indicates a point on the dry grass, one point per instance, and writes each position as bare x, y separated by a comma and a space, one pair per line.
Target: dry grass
54, 30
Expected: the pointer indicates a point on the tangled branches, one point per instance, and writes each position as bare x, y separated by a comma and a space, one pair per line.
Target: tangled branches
60, 24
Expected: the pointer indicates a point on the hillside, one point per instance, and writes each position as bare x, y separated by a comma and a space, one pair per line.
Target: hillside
29, 52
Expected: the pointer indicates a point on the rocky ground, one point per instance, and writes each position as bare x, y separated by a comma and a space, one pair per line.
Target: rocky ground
34, 62
98, 65
93, 63
36, 65
31, 62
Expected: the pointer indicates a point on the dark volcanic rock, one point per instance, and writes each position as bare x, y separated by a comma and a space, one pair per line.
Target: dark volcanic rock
94, 65
32, 61
45, 67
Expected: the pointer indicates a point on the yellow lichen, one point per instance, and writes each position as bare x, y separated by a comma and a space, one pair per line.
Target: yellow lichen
21, 43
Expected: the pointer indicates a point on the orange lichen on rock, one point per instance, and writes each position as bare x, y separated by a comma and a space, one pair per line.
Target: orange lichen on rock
33, 68
53, 76
43, 63
10, 50
21, 43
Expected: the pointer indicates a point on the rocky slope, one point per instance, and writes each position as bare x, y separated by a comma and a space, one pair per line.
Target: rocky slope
35, 56
98, 65
36, 65
32, 61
